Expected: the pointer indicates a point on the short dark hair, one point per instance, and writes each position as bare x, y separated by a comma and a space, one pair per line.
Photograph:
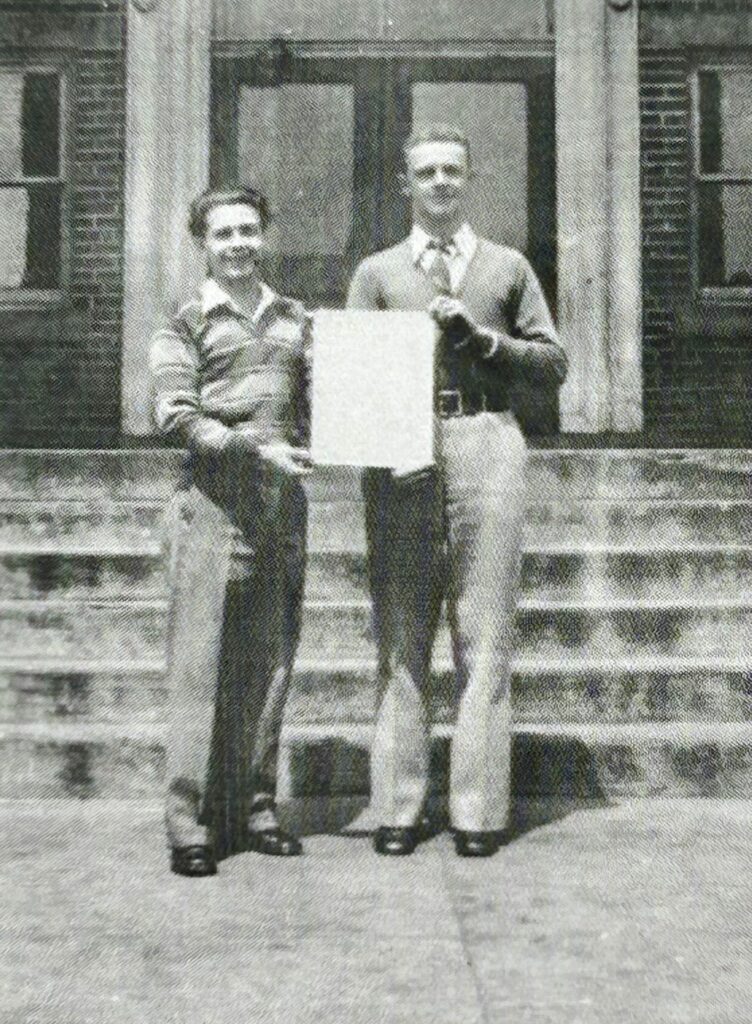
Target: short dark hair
242, 195
436, 131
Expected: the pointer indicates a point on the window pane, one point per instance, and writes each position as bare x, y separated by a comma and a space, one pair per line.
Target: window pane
29, 125
41, 125
14, 218
726, 121
30, 228
295, 142
11, 147
725, 235
494, 115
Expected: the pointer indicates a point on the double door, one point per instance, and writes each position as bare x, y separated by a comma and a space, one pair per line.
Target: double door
323, 136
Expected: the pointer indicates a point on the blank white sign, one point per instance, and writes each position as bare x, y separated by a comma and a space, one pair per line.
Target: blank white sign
372, 394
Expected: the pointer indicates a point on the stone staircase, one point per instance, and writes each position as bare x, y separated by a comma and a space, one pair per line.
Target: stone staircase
634, 663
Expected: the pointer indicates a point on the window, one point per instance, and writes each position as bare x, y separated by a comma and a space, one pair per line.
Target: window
31, 183
723, 168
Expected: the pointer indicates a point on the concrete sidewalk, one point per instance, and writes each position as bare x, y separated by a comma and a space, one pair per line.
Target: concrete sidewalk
640, 912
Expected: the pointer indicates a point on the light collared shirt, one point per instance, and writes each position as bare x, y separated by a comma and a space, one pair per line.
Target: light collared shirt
213, 296
461, 249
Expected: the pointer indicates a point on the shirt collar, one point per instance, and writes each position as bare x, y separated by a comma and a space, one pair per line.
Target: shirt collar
213, 297
464, 239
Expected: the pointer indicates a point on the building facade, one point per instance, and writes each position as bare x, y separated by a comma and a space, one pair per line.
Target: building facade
612, 142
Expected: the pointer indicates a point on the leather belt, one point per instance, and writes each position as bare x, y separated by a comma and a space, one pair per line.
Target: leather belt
452, 402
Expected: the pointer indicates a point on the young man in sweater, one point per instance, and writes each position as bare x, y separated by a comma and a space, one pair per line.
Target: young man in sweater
454, 531
230, 382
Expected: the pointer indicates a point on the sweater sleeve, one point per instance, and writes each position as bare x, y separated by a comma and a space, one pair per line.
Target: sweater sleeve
174, 362
533, 345
364, 292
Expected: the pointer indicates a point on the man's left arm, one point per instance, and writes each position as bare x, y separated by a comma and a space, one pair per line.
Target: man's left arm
531, 346
534, 346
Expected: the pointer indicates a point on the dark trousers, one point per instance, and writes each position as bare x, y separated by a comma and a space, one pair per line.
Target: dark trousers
235, 623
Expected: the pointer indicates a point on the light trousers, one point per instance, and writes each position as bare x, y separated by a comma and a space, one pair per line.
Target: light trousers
452, 534
237, 598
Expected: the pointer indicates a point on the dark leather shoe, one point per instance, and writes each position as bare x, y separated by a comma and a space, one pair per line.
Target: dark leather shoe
193, 861
274, 842
476, 844
394, 842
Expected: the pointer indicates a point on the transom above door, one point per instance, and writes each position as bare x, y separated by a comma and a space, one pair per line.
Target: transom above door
322, 137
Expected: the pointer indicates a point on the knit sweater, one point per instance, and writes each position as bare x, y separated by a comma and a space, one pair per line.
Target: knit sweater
502, 294
217, 371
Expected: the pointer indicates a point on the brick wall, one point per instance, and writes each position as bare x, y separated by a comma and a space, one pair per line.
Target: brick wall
97, 223
59, 366
697, 356
666, 239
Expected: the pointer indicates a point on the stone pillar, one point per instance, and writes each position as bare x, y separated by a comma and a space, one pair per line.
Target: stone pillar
598, 188
167, 164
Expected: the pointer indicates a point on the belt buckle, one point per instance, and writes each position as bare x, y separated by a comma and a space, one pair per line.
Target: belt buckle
450, 403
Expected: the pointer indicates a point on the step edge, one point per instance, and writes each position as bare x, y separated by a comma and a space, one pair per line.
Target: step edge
64, 667
93, 732
159, 503
58, 604
159, 550
177, 454
23, 550
315, 605
154, 671
605, 604
630, 666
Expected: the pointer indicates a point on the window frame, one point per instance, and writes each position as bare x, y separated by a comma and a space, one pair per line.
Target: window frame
42, 298
713, 294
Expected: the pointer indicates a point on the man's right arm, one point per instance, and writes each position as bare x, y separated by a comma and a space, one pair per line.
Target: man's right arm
174, 362
364, 292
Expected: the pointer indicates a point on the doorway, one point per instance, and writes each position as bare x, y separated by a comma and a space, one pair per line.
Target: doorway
322, 137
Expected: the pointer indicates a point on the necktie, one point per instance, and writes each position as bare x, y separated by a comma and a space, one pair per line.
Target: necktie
438, 271
438, 275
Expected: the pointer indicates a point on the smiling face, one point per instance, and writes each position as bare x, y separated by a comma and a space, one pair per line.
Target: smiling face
233, 238
436, 181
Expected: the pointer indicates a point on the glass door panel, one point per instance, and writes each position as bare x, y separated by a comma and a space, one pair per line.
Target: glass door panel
494, 117
323, 138
295, 143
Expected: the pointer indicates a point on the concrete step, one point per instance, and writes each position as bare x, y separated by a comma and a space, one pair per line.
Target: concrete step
701, 572
562, 631
558, 631
123, 527
568, 525
65, 632
77, 577
43, 760
609, 695
80, 527
93, 476
133, 694
606, 761
324, 693
593, 475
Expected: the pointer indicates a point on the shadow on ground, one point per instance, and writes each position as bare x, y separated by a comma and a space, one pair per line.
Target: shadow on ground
551, 776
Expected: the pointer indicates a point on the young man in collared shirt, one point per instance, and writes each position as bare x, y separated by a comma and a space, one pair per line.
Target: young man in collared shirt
230, 376
454, 532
